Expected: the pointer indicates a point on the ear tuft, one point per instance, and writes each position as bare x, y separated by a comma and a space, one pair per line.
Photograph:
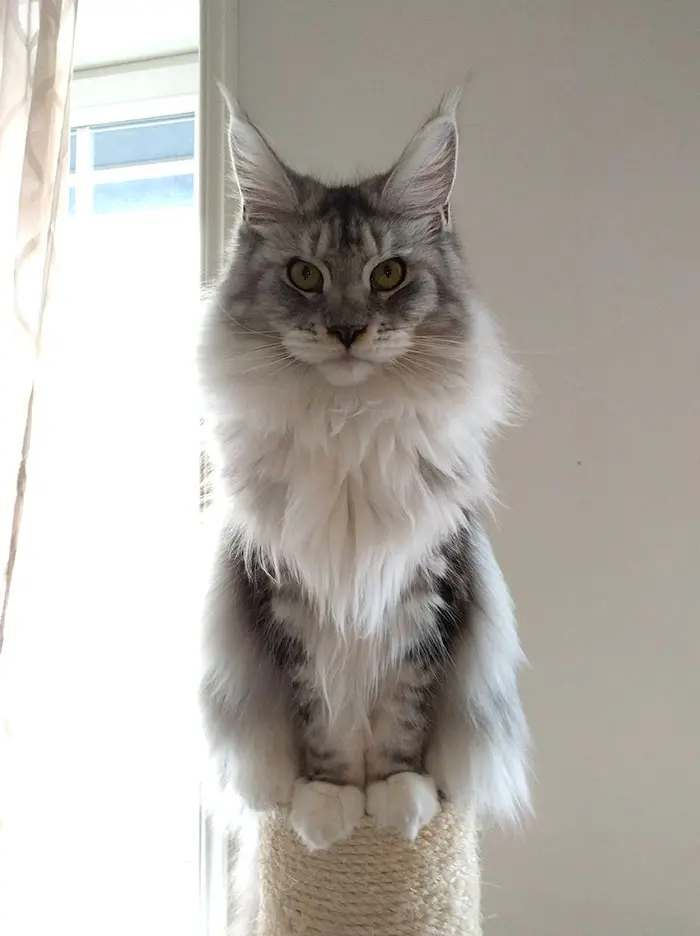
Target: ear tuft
420, 183
449, 104
266, 190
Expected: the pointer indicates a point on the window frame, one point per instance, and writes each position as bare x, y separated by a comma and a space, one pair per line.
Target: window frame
134, 90
177, 84
150, 88
218, 44
164, 87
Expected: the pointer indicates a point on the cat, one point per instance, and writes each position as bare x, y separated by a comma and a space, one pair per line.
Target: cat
360, 648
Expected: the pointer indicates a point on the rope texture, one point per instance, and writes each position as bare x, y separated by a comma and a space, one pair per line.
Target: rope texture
375, 884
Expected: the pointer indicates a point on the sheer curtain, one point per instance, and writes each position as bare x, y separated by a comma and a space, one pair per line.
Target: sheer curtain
98, 768
36, 50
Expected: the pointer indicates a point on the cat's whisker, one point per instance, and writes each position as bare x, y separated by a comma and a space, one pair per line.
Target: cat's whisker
279, 370
436, 339
423, 354
417, 370
441, 356
439, 342
432, 367
267, 364
445, 349
245, 352
243, 327
402, 367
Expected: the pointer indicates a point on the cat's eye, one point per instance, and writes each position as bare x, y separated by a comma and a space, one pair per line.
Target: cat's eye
388, 274
305, 276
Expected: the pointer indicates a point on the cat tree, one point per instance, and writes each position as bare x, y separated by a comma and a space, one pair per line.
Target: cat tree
374, 884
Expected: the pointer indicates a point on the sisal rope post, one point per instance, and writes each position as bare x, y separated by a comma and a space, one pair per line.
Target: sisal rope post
375, 884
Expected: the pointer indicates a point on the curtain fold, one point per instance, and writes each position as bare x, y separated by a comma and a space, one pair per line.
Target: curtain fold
36, 53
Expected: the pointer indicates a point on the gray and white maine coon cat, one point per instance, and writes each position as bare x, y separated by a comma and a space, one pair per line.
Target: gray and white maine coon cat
360, 647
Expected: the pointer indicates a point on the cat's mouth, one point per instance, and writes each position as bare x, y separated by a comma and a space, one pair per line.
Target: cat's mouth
347, 371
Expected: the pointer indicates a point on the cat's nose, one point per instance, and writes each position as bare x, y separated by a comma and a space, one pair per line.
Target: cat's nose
347, 334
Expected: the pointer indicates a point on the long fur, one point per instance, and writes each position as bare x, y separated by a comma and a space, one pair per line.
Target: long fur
357, 622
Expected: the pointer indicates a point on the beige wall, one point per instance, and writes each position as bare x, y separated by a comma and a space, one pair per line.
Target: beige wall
579, 199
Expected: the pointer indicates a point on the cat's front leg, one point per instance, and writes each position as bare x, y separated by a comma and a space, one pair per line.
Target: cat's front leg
328, 801
245, 694
400, 795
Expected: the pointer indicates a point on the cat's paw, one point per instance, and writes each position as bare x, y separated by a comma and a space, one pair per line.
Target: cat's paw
405, 802
324, 813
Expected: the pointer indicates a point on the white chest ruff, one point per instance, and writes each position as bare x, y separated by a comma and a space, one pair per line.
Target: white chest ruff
352, 514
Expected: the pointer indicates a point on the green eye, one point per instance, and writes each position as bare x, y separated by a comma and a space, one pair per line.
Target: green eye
388, 274
305, 276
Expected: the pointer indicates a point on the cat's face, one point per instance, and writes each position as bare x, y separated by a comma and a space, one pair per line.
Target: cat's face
348, 280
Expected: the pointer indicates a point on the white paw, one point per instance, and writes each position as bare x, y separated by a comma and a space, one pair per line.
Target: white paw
324, 813
404, 801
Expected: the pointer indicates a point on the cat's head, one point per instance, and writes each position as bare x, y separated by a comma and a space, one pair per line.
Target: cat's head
348, 280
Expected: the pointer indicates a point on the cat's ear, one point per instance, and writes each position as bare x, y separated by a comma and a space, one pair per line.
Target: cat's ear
266, 190
421, 182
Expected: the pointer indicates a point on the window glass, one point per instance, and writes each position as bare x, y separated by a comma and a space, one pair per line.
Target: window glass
72, 150
140, 194
143, 141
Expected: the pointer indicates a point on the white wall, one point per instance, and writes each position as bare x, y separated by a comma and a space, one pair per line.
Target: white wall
579, 199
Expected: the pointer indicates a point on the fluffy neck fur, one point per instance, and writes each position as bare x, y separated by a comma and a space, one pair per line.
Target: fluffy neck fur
351, 489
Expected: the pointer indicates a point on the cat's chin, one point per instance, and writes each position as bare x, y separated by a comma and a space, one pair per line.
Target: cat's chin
347, 372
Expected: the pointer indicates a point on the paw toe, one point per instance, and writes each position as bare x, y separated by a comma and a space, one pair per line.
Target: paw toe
324, 813
405, 802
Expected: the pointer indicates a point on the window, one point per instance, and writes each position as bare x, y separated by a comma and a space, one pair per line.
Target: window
104, 683
130, 166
